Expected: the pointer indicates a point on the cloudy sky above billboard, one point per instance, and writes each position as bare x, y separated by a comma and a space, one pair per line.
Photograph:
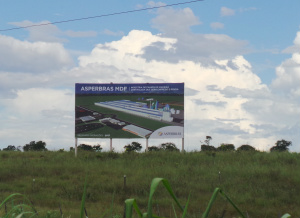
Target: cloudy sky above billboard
239, 62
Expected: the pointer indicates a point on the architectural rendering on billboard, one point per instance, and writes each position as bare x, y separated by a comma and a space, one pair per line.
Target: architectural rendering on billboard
133, 110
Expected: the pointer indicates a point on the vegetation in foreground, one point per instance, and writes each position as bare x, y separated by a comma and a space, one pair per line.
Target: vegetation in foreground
260, 184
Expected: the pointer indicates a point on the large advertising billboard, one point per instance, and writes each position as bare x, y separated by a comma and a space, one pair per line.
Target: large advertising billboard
132, 110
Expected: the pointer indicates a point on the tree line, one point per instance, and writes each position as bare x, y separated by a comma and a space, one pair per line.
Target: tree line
280, 145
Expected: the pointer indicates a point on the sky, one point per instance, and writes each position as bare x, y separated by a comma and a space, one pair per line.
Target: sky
239, 61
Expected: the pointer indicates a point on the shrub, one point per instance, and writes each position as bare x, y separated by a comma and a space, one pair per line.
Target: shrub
226, 147
168, 146
246, 148
134, 146
208, 148
153, 148
85, 147
35, 146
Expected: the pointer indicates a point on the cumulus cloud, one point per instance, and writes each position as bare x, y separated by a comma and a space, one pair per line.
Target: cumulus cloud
224, 98
294, 48
38, 114
24, 56
227, 12
204, 48
34, 103
288, 73
182, 20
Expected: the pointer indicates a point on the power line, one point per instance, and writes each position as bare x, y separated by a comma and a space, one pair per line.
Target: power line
98, 16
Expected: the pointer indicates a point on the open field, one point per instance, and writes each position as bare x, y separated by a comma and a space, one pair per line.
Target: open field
260, 184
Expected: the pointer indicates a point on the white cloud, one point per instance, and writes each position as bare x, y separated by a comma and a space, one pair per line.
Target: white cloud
182, 20
46, 32
38, 114
225, 99
155, 4
288, 73
204, 48
24, 56
150, 4
294, 48
80, 34
34, 103
217, 25
111, 33
227, 12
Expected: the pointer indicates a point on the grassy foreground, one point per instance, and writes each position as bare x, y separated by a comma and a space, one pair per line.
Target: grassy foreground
260, 184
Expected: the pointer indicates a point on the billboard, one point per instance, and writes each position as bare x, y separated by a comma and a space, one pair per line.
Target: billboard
131, 110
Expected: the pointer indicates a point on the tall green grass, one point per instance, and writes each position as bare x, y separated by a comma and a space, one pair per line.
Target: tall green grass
15, 209
263, 184
23, 210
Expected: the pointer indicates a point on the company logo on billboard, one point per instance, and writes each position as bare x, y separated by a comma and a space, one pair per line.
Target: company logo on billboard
169, 133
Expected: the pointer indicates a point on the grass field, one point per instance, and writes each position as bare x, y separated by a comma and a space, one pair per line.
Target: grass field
260, 184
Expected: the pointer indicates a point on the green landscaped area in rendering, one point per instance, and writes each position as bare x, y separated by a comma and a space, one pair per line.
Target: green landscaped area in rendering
176, 102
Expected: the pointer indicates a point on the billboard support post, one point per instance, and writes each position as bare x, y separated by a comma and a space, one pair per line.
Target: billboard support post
182, 149
111, 149
76, 141
147, 144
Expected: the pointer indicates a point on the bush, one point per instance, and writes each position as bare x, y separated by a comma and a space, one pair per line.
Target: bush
85, 147
226, 147
35, 146
133, 147
246, 148
11, 148
153, 148
168, 146
208, 148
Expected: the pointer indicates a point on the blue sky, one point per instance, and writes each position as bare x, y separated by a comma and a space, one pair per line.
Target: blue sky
239, 61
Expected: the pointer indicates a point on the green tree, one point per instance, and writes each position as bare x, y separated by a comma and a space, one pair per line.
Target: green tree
246, 148
226, 147
11, 148
153, 148
168, 146
85, 147
208, 148
35, 146
206, 145
281, 145
134, 146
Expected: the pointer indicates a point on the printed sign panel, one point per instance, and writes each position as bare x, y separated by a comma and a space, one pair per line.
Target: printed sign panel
134, 110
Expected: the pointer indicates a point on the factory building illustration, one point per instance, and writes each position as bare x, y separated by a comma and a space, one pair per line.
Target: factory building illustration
141, 109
